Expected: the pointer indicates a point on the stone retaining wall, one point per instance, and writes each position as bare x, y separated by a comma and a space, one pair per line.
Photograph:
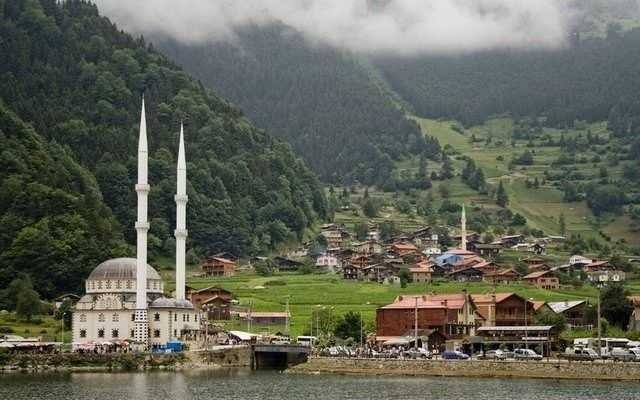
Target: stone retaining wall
474, 368
236, 356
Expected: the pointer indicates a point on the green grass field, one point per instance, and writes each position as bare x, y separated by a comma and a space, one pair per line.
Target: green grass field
330, 291
45, 327
543, 206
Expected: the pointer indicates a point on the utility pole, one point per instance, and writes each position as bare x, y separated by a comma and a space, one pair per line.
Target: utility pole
599, 327
287, 322
526, 332
249, 317
361, 329
415, 324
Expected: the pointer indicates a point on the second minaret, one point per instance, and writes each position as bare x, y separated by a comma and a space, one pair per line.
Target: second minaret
181, 217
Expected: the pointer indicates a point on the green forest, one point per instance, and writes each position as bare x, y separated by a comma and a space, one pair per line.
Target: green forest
328, 104
71, 85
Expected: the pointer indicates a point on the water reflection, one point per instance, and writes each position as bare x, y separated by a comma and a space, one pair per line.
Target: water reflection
244, 384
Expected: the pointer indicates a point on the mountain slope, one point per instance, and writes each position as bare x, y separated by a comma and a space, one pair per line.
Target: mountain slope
322, 101
54, 224
78, 80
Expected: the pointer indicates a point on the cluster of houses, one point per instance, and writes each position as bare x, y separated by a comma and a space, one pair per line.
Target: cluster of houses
422, 254
463, 318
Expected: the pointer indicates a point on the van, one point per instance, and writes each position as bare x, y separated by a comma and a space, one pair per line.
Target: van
306, 340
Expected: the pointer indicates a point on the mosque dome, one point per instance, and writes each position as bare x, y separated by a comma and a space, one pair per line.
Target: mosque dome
119, 275
164, 302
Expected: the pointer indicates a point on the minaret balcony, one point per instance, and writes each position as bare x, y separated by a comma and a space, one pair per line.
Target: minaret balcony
142, 226
143, 188
180, 233
181, 198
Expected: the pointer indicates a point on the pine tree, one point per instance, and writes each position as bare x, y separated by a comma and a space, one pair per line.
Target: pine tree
501, 196
563, 225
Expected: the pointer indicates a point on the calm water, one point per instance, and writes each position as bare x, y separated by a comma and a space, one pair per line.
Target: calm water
208, 385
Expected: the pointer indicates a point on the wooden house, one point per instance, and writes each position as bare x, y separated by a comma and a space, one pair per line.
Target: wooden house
218, 266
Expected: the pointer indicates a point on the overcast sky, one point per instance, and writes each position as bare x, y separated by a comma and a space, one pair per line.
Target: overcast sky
401, 26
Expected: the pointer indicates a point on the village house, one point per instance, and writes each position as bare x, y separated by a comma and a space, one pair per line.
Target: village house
70, 297
486, 250
351, 272
543, 280
214, 301
218, 266
501, 276
425, 271
327, 261
504, 309
602, 276
575, 312
511, 240
284, 264
466, 274
453, 315
263, 317
334, 238
402, 249
368, 247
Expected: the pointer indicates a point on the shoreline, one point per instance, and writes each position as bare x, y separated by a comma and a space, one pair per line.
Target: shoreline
577, 370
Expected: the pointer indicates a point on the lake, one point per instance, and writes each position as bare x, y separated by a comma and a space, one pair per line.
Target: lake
243, 384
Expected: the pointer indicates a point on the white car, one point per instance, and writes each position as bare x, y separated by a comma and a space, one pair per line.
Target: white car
526, 354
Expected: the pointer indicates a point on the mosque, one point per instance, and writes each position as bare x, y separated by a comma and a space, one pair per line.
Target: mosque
124, 298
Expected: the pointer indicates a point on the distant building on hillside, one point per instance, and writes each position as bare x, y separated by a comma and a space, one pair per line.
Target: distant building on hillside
218, 266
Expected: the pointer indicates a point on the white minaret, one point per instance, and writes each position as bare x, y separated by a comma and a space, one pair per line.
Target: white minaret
463, 234
141, 321
181, 217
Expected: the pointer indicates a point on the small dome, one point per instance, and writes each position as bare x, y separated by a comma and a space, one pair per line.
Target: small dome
164, 302
120, 268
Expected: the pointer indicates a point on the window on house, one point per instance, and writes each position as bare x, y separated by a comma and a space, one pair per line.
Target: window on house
195, 318
118, 285
156, 317
128, 284
175, 317
108, 285
156, 333
114, 333
83, 333
175, 332
187, 317
99, 284
100, 333
101, 317
115, 318
83, 317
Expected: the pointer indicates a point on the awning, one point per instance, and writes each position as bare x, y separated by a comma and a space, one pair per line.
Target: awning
244, 336
400, 341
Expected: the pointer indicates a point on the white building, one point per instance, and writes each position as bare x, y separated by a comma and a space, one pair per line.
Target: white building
327, 261
124, 297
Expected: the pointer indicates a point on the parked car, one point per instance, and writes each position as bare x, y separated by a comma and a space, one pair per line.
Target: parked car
579, 354
417, 353
493, 355
619, 354
636, 352
526, 354
454, 355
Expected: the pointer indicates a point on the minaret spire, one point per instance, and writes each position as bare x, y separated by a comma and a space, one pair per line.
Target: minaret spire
141, 321
181, 211
463, 234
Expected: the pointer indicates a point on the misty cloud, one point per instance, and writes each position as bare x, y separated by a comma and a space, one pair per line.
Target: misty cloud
371, 26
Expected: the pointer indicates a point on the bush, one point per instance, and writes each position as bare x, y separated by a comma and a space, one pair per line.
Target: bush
6, 330
275, 282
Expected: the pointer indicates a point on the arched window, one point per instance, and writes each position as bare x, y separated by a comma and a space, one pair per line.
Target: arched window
133, 334
101, 317
83, 333
114, 333
100, 333
83, 317
195, 318
187, 317
175, 317
115, 318
156, 317
133, 317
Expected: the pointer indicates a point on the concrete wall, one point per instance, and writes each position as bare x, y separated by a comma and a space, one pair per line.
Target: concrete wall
225, 356
514, 369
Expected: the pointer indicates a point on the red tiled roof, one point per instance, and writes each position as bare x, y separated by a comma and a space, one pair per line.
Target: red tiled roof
453, 301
